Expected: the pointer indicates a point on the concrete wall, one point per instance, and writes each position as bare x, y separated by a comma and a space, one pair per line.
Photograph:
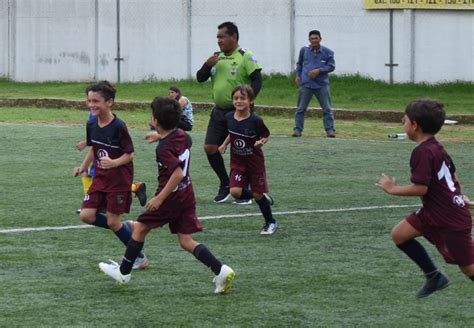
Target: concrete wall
76, 40
4, 53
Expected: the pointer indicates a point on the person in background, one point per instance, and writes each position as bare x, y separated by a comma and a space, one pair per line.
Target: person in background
186, 121
314, 64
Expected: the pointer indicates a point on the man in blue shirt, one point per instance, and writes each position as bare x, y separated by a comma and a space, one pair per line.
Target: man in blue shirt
314, 64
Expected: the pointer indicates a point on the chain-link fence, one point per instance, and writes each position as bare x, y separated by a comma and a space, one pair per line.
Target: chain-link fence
134, 40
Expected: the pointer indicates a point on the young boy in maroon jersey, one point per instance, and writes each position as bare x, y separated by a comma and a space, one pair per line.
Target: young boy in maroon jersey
247, 135
174, 203
444, 219
112, 152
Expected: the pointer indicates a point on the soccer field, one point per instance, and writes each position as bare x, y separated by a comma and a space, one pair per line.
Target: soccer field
332, 263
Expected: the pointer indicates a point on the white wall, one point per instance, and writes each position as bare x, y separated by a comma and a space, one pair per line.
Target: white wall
53, 40
76, 40
4, 39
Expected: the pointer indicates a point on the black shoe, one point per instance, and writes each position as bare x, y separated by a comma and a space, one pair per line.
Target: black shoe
141, 193
331, 134
239, 201
222, 195
296, 133
438, 282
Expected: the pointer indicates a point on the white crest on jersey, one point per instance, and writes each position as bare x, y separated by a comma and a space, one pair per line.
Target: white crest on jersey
102, 153
239, 144
459, 201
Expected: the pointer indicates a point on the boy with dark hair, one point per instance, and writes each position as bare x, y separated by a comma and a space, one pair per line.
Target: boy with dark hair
174, 202
139, 188
444, 219
247, 135
112, 153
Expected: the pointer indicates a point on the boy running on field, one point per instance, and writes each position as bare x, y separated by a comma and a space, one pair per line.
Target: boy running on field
174, 203
444, 219
139, 188
247, 135
112, 153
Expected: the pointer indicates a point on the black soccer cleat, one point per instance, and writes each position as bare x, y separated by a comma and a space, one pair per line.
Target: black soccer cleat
222, 195
141, 193
438, 282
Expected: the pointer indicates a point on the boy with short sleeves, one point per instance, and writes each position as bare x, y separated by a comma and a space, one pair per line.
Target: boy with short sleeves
174, 202
444, 219
247, 135
111, 150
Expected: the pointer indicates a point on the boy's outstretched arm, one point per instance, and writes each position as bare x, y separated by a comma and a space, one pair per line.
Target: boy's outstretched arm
389, 185
175, 178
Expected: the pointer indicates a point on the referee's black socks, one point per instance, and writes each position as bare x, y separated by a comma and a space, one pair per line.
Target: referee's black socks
217, 164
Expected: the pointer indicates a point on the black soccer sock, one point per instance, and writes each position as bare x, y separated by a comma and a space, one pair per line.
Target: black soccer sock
266, 209
127, 226
124, 234
246, 194
203, 254
217, 164
101, 221
133, 249
472, 278
417, 253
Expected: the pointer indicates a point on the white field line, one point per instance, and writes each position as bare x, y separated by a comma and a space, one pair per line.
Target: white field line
228, 216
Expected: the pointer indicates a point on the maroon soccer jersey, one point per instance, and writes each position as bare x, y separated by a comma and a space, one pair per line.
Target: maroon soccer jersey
112, 140
243, 135
173, 151
443, 203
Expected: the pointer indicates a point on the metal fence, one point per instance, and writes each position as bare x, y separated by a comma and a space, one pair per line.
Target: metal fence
134, 40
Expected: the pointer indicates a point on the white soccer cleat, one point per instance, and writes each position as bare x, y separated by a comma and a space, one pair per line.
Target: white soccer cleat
141, 263
269, 229
112, 269
224, 280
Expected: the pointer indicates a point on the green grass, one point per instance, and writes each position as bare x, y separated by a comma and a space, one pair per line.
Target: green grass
349, 92
279, 124
336, 267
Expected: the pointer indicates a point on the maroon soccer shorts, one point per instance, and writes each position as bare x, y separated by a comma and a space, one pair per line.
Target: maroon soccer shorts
456, 247
180, 220
114, 202
257, 181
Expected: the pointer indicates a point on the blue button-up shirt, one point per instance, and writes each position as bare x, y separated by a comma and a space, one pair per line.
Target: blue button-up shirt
310, 59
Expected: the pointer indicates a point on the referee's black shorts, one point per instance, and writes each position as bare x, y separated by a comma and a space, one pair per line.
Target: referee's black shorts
217, 127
